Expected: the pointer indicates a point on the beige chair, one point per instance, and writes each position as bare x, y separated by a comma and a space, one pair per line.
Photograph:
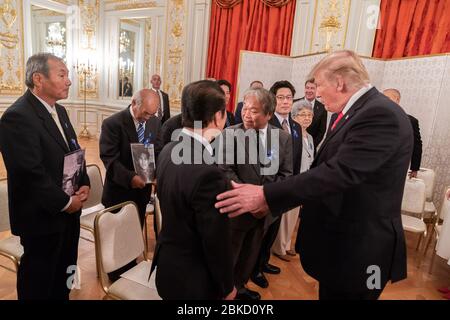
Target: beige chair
93, 204
10, 247
413, 204
119, 240
428, 176
444, 214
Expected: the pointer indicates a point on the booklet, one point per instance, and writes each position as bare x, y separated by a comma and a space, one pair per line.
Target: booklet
73, 171
144, 160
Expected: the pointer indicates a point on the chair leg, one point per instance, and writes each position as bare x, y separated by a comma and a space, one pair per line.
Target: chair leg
432, 262
418, 242
430, 237
145, 234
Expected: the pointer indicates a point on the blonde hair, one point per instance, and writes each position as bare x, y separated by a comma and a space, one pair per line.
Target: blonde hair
346, 64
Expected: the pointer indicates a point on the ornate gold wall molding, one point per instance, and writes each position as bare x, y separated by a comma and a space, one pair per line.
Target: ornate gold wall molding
175, 50
130, 4
147, 52
88, 39
11, 48
329, 25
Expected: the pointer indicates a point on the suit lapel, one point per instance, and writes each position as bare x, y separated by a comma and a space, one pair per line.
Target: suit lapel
65, 124
48, 122
350, 113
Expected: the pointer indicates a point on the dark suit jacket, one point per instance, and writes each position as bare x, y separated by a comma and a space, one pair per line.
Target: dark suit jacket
297, 141
193, 254
33, 150
352, 197
318, 125
248, 172
118, 131
416, 157
230, 119
238, 113
166, 111
165, 134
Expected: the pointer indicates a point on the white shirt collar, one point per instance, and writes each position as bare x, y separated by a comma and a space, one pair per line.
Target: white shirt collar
49, 108
281, 118
199, 138
358, 94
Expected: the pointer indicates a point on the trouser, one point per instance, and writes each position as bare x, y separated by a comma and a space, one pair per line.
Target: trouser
266, 245
48, 264
245, 245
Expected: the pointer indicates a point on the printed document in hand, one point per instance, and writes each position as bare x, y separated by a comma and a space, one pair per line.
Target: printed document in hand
73, 171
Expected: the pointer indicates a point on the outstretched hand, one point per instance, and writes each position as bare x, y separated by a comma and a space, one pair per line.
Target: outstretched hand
241, 199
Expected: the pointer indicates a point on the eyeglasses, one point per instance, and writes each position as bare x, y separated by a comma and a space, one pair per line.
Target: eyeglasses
305, 115
281, 98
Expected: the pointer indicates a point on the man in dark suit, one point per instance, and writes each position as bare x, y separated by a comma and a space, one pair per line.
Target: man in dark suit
226, 87
193, 253
351, 237
35, 135
122, 183
318, 126
416, 157
167, 129
284, 93
164, 107
237, 113
276, 146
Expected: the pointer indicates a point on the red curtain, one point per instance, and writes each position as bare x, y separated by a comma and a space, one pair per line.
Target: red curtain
249, 25
412, 27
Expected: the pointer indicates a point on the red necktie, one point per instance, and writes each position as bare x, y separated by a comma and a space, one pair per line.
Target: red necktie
339, 117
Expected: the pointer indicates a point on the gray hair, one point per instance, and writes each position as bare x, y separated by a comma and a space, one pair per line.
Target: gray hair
137, 97
264, 97
38, 63
299, 106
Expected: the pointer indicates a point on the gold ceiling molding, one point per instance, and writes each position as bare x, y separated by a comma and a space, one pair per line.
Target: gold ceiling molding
226, 4
131, 4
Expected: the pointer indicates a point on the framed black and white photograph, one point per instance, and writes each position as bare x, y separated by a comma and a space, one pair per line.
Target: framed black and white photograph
144, 160
72, 172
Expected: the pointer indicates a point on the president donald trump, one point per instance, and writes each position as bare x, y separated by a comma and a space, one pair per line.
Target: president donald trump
350, 237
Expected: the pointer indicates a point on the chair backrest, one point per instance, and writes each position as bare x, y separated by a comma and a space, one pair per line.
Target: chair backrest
118, 236
445, 208
428, 176
4, 210
414, 196
95, 194
158, 216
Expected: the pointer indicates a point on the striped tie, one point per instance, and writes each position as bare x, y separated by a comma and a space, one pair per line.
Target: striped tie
140, 132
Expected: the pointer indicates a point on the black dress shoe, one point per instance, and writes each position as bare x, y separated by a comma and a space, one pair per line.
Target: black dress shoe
247, 294
270, 268
260, 280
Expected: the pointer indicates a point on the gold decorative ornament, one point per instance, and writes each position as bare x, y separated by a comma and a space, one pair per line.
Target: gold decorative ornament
177, 30
9, 14
9, 40
85, 71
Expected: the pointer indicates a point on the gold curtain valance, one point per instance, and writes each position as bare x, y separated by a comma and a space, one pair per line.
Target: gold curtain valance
226, 4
